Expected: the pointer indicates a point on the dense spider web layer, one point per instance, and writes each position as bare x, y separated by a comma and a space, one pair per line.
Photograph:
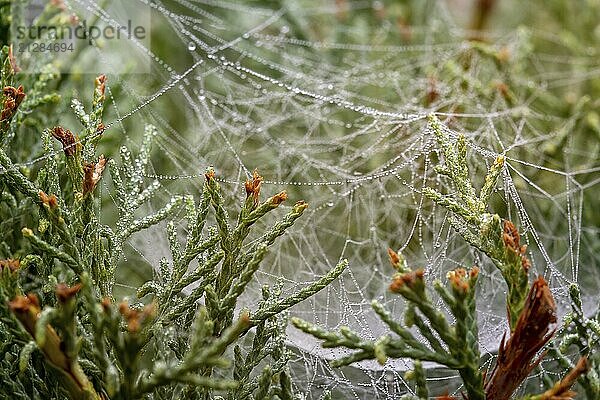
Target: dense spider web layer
333, 110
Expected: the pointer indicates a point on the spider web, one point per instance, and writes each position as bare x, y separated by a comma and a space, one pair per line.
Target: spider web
333, 110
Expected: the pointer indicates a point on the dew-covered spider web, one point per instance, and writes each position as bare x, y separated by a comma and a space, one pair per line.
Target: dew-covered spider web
329, 99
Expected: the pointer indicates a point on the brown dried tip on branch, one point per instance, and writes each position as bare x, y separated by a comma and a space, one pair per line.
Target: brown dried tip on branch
210, 174
397, 260
562, 390
11, 264
105, 303
253, 186
532, 332
135, 318
100, 129
394, 258
92, 172
511, 239
408, 279
300, 206
67, 139
100, 84
26, 309
13, 97
459, 278
279, 198
245, 318
48, 200
12, 60
64, 292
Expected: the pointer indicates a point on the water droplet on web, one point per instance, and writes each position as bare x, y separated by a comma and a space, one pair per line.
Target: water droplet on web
192, 46
284, 29
330, 204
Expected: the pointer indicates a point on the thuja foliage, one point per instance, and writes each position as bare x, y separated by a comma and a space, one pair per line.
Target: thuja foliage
62, 332
453, 342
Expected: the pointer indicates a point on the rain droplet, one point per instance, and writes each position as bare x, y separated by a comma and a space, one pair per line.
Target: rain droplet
192, 46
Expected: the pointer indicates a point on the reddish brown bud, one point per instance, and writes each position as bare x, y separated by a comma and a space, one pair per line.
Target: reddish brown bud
105, 303
12, 100
136, 318
245, 318
11, 264
407, 279
67, 139
279, 198
300, 206
100, 84
459, 279
23, 303
92, 172
64, 292
394, 258
253, 186
26, 309
17, 94
511, 239
48, 200
100, 129
210, 174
